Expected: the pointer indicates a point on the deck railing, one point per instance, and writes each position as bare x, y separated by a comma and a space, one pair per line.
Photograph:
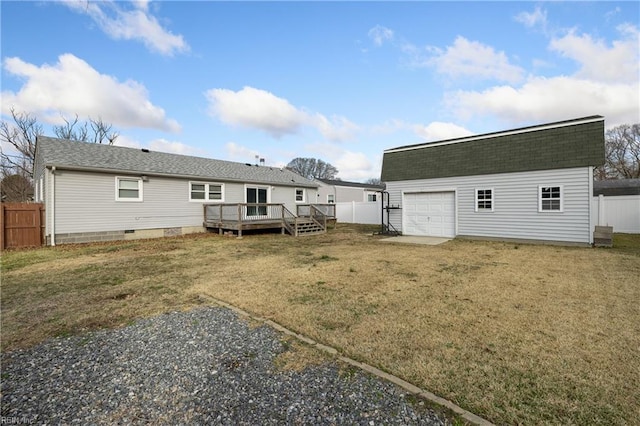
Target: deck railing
246, 215
290, 221
244, 212
329, 210
318, 217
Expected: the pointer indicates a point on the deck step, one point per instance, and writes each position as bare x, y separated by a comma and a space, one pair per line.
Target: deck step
308, 227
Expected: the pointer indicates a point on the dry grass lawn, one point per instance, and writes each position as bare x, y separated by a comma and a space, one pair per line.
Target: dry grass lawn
527, 334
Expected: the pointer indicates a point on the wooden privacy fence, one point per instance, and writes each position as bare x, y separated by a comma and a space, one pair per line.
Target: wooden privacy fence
21, 225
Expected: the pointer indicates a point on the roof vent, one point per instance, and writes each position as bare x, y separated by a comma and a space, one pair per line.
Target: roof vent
247, 164
145, 150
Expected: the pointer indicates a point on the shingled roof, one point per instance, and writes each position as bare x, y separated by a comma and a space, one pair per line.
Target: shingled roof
563, 144
617, 187
351, 184
72, 155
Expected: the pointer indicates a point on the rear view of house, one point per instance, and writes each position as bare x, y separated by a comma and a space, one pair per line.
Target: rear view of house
532, 183
95, 192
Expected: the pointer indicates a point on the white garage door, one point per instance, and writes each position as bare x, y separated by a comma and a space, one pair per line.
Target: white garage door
429, 214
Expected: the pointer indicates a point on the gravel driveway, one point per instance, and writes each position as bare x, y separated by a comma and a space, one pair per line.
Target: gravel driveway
205, 366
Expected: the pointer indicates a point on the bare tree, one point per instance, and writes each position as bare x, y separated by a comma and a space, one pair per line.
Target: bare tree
15, 189
374, 181
102, 132
19, 139
79, 131
312, 168
622, 153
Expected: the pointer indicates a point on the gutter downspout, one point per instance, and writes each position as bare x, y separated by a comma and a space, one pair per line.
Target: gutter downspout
53, 205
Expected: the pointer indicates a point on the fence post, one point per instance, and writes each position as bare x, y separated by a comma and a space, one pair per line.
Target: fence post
40, 227
601, 213
2, 227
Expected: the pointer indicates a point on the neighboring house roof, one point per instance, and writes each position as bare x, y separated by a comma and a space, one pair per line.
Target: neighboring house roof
74, 155
563, 144
351, 184
616, 187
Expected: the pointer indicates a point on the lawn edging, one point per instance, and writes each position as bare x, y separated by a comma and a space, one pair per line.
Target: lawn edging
412, 389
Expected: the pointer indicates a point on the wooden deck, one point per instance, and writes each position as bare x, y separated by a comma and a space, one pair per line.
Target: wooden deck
248, 216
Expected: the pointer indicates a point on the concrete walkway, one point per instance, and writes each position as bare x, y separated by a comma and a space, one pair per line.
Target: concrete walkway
430, 241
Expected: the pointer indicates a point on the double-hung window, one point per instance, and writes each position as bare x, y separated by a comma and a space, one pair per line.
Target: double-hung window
549, 198
484, 200
299, 195
128, 189
201, 191
331, 198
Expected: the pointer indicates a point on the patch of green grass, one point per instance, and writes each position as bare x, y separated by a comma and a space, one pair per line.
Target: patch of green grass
626, 243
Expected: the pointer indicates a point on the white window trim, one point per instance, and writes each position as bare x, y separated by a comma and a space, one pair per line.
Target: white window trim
540, 198
334, 199
140, 189
493, 200
206, 192
268, 188
304, 195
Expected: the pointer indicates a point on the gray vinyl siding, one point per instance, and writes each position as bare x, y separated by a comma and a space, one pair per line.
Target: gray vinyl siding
86, 202
515, 201
343, 193
287, 196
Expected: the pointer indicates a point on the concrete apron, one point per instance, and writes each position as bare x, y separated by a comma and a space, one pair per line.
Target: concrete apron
430, 241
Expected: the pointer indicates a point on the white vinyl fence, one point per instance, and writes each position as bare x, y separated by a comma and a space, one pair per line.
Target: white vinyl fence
364, 212
620, 211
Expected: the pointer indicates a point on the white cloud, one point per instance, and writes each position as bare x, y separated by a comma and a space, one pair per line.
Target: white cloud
472, 59
438, 130
120, 23
606, 83
72, 86
380, 34
537, 18
600, 62
159, 145
549, 99
262, 110
336, 129
124, 140
255, 108
352, 166
173, 147
240, 153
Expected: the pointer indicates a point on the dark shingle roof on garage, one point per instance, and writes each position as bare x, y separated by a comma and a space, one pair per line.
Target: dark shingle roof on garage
563, 144
68, 154
616, 187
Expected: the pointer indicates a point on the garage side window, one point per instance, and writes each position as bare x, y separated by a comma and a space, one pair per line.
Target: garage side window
549, 198
128, 189
484, 200
299, 195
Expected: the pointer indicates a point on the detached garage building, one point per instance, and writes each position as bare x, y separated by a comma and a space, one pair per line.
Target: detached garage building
532, 183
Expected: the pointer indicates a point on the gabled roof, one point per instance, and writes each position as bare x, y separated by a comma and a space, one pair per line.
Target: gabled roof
563, 144
72, 155
351, 184
616, 187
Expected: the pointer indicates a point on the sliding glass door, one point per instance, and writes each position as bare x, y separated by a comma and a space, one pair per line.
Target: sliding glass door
256, 195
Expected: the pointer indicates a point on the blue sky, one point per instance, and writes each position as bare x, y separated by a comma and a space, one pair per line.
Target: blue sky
339, 81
